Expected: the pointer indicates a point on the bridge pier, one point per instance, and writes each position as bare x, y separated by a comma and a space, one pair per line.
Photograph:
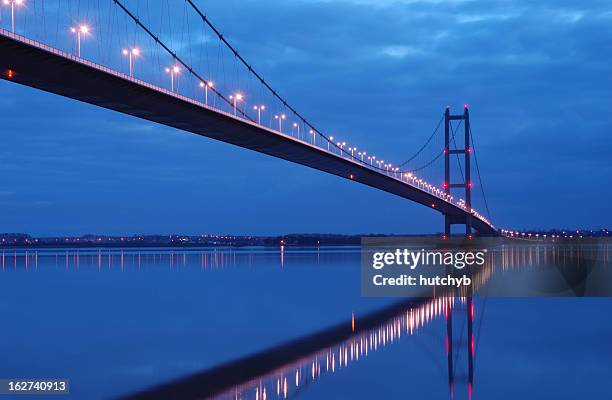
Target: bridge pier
467, 182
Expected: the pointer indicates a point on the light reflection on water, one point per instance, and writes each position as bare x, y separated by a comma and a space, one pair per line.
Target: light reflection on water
174, 312
136, 258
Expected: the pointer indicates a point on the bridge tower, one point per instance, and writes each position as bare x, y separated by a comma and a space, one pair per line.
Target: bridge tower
467, 183
453, 356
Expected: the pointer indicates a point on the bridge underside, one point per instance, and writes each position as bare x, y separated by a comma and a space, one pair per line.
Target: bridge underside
58, 73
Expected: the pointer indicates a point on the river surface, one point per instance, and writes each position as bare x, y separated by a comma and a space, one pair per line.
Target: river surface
118, 321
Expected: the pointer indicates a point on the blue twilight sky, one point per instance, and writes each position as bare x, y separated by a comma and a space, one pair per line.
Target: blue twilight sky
376, 73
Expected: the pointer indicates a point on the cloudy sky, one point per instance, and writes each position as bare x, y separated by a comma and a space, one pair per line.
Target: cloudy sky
376, 73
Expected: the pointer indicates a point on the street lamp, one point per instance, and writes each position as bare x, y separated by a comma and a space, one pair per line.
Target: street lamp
81, 29
131, 53
13, 3
236, 98
295, 125
174, 70
206, 85
314, 137
331, 139
259, 109
280, 119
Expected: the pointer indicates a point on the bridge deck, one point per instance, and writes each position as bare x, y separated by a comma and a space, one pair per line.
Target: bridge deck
39, 66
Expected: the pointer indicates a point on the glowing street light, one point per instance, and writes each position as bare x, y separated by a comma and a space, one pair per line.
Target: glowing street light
296, 125
131, 53
259, 109
79, 30
174, 70
236, 98
280, 119
13, 3
331, 140
314, 137
206, 85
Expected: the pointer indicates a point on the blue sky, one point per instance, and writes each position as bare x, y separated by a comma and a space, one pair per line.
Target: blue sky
378, 73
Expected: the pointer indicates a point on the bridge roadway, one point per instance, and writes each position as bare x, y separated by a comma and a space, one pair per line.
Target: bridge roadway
39, 66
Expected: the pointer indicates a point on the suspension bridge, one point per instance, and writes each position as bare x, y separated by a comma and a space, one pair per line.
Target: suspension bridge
50, 49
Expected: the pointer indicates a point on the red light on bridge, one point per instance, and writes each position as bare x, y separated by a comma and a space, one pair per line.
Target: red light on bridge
470, 184
351, 176
10, 73
444, 185
433, 205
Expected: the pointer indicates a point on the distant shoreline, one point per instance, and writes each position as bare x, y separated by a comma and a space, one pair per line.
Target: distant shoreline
22, 240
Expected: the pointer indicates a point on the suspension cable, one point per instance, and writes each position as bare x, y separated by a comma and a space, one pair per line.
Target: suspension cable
480, 177
430, 162
274, 92
176, 57
455, 144
426, 143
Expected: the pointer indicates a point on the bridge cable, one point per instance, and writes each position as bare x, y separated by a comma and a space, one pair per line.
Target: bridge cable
479, 176
274, 93
426, 143
455, 144
430, 162
177, 58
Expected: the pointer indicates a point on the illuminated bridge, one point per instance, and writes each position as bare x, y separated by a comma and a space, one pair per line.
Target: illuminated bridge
119, 55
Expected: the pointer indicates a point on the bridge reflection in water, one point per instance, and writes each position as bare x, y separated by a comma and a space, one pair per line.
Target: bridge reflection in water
287, 370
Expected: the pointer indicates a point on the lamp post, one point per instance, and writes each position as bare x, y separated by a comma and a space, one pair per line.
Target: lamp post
280, 119
296, 125
13, 3
236, 98
314, 137
259, 109
331, 139
206, 85
131, 53
81, 29
174, 70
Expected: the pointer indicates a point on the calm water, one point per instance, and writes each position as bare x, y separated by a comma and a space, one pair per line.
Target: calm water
115, 321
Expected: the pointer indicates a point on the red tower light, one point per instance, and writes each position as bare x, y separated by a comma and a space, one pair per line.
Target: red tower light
10, 73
